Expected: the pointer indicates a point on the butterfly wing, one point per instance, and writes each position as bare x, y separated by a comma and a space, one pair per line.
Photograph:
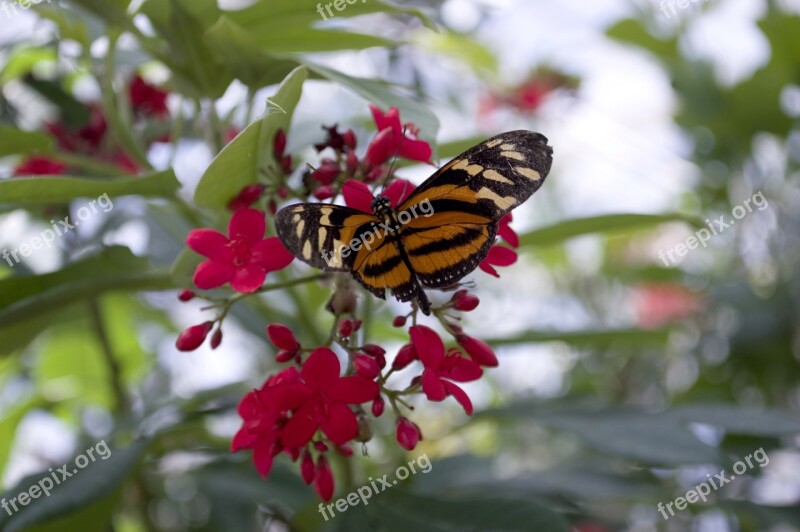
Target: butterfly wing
340, 239
466, 199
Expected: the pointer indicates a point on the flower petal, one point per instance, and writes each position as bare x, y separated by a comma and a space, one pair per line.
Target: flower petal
341, 425
286, 396
247, 223
299, 430
398, 190
462, 369
415, 150
487, 267
321, 370
248, 278
501, 256
433, 386
209, 243
271, 254
243, 439
211, 274
429, 347
460, 395
357, 196
354, 389
262, 456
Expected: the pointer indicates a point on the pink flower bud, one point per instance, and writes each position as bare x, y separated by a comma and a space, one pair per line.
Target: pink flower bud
408, 434
282, 337
373, 350
349, 138
366, 367
346, 328
399, 321
284, 356
405, 356
323, 481
464, 301
478, 350
280, 144
378, 406
324, 192
216, 339
307, 468
185, 295
320, 446
193, 337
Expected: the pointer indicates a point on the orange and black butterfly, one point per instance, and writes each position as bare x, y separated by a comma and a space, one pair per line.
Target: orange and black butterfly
437, 235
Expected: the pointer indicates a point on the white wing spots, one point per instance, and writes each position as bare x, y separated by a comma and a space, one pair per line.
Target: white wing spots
471, 169
300, 226
322, 234
493, 143
307, 250
530, 173
513, 155
299, 208
508, 147
334, 259
502, 203
296, 218
325, 219
497, 176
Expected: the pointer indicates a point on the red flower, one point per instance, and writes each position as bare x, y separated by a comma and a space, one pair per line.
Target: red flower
505, 232
320, 401
657, 304
147, 99
529, 96
95, 129
323, 479
498, 256
243, 259
357, 195
478, 350
193, 337
439, 368
464, 301
246, 197
392, 140
39, 166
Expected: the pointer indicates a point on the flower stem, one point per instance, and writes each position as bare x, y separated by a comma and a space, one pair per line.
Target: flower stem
114, 370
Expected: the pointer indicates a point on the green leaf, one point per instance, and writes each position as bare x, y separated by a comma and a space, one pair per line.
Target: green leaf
112, 11
636, 337
16, 142
607, 223
633, 32
22, 60
484, 512
384, 96
42, 190
8, 425
238, 164
740, 420
85, 501
25, 298
461, 47
250, 63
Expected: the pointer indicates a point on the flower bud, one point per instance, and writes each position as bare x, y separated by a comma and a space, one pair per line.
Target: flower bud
320, 446
323, 193
216, 339
346, 328
366, 367
349, 138
408, 434
464, 301
399, 321
307, 468
279, 145
284, 356
193, 337
185, 295
282, 337
405, 356
378, 406
373, 350
323, 479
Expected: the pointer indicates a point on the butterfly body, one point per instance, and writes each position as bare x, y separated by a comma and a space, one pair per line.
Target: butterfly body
433, 238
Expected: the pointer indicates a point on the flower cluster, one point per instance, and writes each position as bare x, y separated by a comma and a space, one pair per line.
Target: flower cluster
330, 395
91, 139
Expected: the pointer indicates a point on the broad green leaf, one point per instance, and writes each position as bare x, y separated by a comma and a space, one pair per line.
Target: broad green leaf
250, 63
16, 142
637, 337
27, 297
607, 223
21, 61
384, 96
740, 420
85, 501
239, 163
298, 40
41, 190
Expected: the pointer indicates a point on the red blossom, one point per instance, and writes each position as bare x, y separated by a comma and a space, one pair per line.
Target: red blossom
441, 369
505, 231
366, 366
408, 434
323, 479
498, 256
320, 400
405, 356
478, 350
147, 99
358, 196
464, 301
393, 139
282, 337
657, 304
40, 166
242, 259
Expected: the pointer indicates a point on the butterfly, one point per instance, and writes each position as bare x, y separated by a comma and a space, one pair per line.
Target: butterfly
433, 238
